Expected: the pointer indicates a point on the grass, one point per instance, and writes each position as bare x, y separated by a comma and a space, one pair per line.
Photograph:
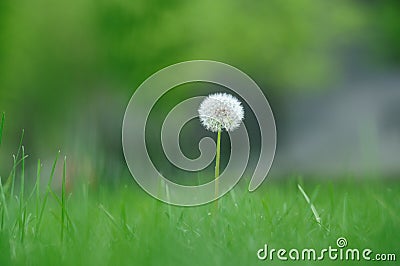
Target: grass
125, 226
103, 225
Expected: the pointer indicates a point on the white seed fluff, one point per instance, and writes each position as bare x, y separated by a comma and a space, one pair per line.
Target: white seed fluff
221, 111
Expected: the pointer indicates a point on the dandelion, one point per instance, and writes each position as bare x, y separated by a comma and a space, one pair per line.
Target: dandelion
218, 112
221, 111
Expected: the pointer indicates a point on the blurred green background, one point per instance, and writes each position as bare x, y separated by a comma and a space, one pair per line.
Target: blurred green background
68, 68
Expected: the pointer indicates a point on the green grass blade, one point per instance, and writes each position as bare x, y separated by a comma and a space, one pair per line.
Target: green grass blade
20, 143
38, 190
59, 202
2, 126
54, 195
23, 223
16, 162
11, 177
46, 196
22, 209
22, 185
34, 189
3, 199
109, 216
313, 209
2, 220
63, 209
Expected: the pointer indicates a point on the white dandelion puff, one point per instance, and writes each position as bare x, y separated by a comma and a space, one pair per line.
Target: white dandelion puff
221, 111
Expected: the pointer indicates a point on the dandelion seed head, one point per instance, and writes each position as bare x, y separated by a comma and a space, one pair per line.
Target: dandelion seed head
221, 111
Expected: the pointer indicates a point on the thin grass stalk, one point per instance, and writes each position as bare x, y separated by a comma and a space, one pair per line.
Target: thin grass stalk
16, 163
37, 188
2, 126
63, 205
313, 209
13, 176
3, 199
21, 198
46, 196
2, 220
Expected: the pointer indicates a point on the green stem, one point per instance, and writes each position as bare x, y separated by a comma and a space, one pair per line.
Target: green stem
217, 159
63, 198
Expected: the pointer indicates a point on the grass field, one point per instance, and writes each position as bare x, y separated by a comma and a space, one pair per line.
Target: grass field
122, 225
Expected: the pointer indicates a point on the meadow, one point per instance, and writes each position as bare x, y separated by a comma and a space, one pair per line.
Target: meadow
330, 72
98, 224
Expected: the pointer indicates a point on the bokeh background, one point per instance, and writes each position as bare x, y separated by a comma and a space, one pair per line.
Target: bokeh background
329, 69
